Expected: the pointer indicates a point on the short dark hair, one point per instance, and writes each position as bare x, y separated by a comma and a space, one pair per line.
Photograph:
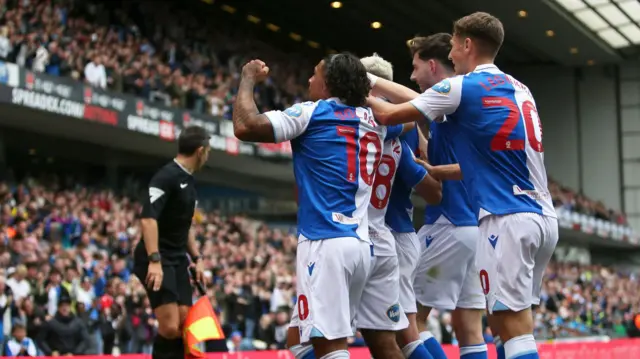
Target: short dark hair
482, 27
192, 138
346, 79
436, 47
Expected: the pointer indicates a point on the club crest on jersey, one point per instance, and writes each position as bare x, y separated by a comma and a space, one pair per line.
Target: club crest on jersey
393, 313
443, 87
294, 111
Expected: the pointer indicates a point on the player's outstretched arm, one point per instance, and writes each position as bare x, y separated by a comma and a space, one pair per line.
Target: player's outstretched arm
248, 123
415, 176
449, 172
392, 114
430, 190
390, 90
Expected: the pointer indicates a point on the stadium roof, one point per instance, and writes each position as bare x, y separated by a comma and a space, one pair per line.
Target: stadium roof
564, 32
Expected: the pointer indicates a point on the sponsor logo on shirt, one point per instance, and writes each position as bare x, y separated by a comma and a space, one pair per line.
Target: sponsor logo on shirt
393, 313
442, 87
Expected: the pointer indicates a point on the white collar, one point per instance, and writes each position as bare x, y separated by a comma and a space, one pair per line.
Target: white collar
486, 68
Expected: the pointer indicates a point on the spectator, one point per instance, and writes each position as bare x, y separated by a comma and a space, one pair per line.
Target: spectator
20, 345
265, 335
33, 316
41, 56
7, 306
95, 73
19, 284
53, 291
5, 43
64, 334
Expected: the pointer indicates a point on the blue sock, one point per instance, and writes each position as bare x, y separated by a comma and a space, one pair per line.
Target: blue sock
300, 351
416, 350
432, 345
477, 351
499, 347
522, 347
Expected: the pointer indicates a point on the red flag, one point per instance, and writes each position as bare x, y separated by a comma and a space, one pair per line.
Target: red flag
201, 325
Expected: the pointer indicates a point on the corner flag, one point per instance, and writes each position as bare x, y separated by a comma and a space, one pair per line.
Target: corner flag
201, 325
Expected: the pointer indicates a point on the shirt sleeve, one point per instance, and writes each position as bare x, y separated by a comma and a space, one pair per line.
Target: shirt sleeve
31, 349
409, 171
441, 99
393, 132
159, 191
292, 122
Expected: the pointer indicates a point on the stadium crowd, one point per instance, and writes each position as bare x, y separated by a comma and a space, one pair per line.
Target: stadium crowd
167, 55
66, 265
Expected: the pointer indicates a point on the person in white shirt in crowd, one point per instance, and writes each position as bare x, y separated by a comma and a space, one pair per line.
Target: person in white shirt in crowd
18, 283
41, 59
19, 345
95, 73
84, 293
5, 43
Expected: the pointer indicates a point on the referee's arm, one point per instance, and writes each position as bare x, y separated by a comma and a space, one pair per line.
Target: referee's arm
159, 192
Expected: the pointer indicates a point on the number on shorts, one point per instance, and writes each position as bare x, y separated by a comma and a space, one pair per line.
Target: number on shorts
484, 281
350, 134
501, 141
383, 180
303, 307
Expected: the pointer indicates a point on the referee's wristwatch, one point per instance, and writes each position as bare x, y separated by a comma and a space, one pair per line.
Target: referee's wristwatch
154, 257
195, 259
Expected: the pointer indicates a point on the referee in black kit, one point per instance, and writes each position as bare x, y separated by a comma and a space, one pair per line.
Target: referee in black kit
160, 258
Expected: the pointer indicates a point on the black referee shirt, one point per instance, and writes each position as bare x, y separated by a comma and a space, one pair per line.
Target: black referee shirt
171, 202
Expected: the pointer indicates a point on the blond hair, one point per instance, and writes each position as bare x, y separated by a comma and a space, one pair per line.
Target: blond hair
378, 66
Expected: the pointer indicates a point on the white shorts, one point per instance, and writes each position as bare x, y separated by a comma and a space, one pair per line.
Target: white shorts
513, 253
331, 275
380, 307
408, 249
446, 276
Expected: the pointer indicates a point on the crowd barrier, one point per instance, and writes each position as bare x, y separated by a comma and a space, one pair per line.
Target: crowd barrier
614, 349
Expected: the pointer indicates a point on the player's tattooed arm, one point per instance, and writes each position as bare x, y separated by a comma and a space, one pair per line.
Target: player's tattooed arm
390, 90
248, 123
390, 114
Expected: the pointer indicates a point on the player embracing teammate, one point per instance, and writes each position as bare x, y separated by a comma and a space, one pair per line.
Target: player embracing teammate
495, 135
485, 133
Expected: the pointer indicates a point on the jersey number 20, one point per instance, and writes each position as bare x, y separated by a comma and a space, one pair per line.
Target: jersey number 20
501, 141
353, 155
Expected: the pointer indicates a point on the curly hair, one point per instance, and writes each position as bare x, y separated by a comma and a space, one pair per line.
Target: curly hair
346, 79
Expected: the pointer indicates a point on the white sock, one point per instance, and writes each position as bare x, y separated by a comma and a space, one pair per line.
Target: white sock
299, 350
424, 336
410, 348
519, 346
338, 354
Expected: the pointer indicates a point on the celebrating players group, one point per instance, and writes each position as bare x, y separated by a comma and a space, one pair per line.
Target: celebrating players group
469, 144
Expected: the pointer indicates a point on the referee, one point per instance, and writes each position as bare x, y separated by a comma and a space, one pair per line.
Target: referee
160, 259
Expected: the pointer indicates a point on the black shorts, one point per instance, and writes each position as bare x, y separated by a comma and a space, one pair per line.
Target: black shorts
176, 283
